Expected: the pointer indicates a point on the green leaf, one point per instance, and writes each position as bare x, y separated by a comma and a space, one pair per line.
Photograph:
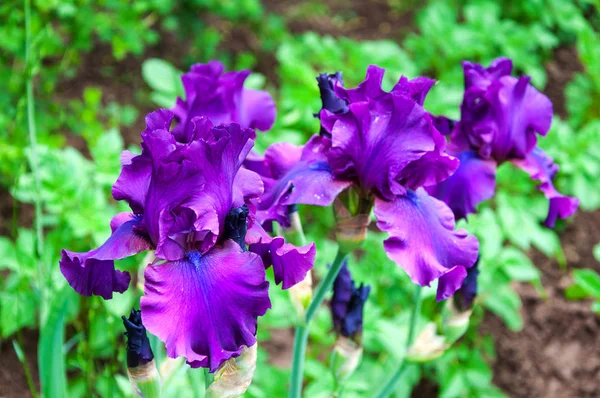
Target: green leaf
588, 280
596, 252
8, 255
51, 358
506, 303
518, 266
162, 76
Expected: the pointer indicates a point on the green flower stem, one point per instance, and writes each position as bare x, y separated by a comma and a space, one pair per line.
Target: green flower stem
39, 232
301, 337
208, 379
390, 385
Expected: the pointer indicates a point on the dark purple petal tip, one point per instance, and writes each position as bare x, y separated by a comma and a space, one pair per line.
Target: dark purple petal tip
139, 351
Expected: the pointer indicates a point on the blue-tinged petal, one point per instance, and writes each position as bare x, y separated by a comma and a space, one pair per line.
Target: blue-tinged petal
422, 239
205, 307
296, 175
471, 184
93, 273
542, 168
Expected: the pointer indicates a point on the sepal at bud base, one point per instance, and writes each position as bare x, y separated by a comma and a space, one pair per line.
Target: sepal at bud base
301, 295
345, 358
455, 323
428, 345
145, 380
234, 376
352, 216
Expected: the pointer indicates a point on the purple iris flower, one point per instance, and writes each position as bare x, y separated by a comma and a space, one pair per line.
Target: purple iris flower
386, 148
347, 304
501, 117
221, 97
192, 203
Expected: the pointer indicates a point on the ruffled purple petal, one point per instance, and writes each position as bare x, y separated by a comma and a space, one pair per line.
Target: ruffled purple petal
93, 273
376, 141
501, 115
195, 186
132, 184
480, 77
450, 282
416, 88
369, 89
290, 263
257, 109
422, 237
221, 97
294, 178
471, 184
542, 168
444, 125
205, 307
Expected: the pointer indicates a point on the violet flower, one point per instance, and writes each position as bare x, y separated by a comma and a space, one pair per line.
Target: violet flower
347, 305
384, 149
501, 116
221, 97
191, 203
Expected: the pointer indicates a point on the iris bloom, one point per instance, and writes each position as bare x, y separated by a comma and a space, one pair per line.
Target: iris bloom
221, 97
383, 149
191, 203
501, 117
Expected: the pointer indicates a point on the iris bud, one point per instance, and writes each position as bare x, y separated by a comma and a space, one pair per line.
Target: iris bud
141, 368
347, 305
236, 225
234, 376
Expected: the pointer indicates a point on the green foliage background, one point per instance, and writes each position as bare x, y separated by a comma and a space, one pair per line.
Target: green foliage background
81, 346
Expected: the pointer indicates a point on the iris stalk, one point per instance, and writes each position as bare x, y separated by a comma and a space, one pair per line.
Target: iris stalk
391, 384
301, 336
34, 161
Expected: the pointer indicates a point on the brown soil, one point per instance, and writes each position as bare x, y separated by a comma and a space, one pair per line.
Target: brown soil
557, 354
13, 383
358, 19
560, 71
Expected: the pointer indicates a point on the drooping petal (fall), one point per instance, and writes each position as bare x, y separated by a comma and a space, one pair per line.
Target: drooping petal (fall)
542, 168
422, 239
290, 263
473, 183
94, 273
205, 307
